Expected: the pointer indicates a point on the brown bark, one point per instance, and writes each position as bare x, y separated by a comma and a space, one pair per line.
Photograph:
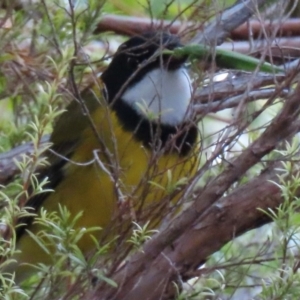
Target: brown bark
225, 220
129, 25
176, 249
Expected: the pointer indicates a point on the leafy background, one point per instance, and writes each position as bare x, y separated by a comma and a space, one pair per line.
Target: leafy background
46, 47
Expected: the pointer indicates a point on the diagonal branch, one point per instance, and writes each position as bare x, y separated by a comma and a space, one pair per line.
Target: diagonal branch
216, 32
148, 270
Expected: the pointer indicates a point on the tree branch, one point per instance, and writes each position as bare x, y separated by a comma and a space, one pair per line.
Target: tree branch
216, 32
158, 263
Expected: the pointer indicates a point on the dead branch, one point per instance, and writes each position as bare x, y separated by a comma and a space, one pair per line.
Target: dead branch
128, 25
158, 264
236, 83
212, 107
136, 25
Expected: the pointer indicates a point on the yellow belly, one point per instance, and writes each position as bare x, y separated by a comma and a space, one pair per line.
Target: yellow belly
97, 189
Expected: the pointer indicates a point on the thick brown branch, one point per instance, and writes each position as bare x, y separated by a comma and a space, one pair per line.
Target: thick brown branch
290, 27
129, 25
214, 33
225, 220
129, 278
135, 25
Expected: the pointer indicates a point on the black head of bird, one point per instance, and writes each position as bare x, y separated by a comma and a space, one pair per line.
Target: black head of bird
152, 82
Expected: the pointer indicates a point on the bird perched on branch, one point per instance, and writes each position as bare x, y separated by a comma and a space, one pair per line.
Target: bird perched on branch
124, 150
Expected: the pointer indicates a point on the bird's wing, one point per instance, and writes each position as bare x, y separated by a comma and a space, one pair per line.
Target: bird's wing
65, 137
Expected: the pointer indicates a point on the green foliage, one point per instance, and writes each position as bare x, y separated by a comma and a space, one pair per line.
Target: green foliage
69, 266
39, 55
34, 69
140, 235
262, 263
171, 185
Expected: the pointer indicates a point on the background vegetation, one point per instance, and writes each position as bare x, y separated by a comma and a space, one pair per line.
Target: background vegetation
249, 173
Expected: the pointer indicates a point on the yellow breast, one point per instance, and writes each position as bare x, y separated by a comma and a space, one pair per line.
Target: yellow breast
99, 180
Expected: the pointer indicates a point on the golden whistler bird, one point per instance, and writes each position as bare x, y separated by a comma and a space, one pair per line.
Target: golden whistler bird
121, 151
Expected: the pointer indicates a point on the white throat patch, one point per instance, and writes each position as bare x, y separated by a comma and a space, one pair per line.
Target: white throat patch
161, 95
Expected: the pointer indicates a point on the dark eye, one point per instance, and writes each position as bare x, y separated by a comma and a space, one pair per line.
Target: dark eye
132, 62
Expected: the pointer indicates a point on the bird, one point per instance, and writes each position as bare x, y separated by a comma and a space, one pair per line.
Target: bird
118, 148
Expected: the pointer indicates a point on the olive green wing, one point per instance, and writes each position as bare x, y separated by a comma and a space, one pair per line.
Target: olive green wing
65, 137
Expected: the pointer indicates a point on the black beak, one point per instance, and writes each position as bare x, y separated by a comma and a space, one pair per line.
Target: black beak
174, 62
